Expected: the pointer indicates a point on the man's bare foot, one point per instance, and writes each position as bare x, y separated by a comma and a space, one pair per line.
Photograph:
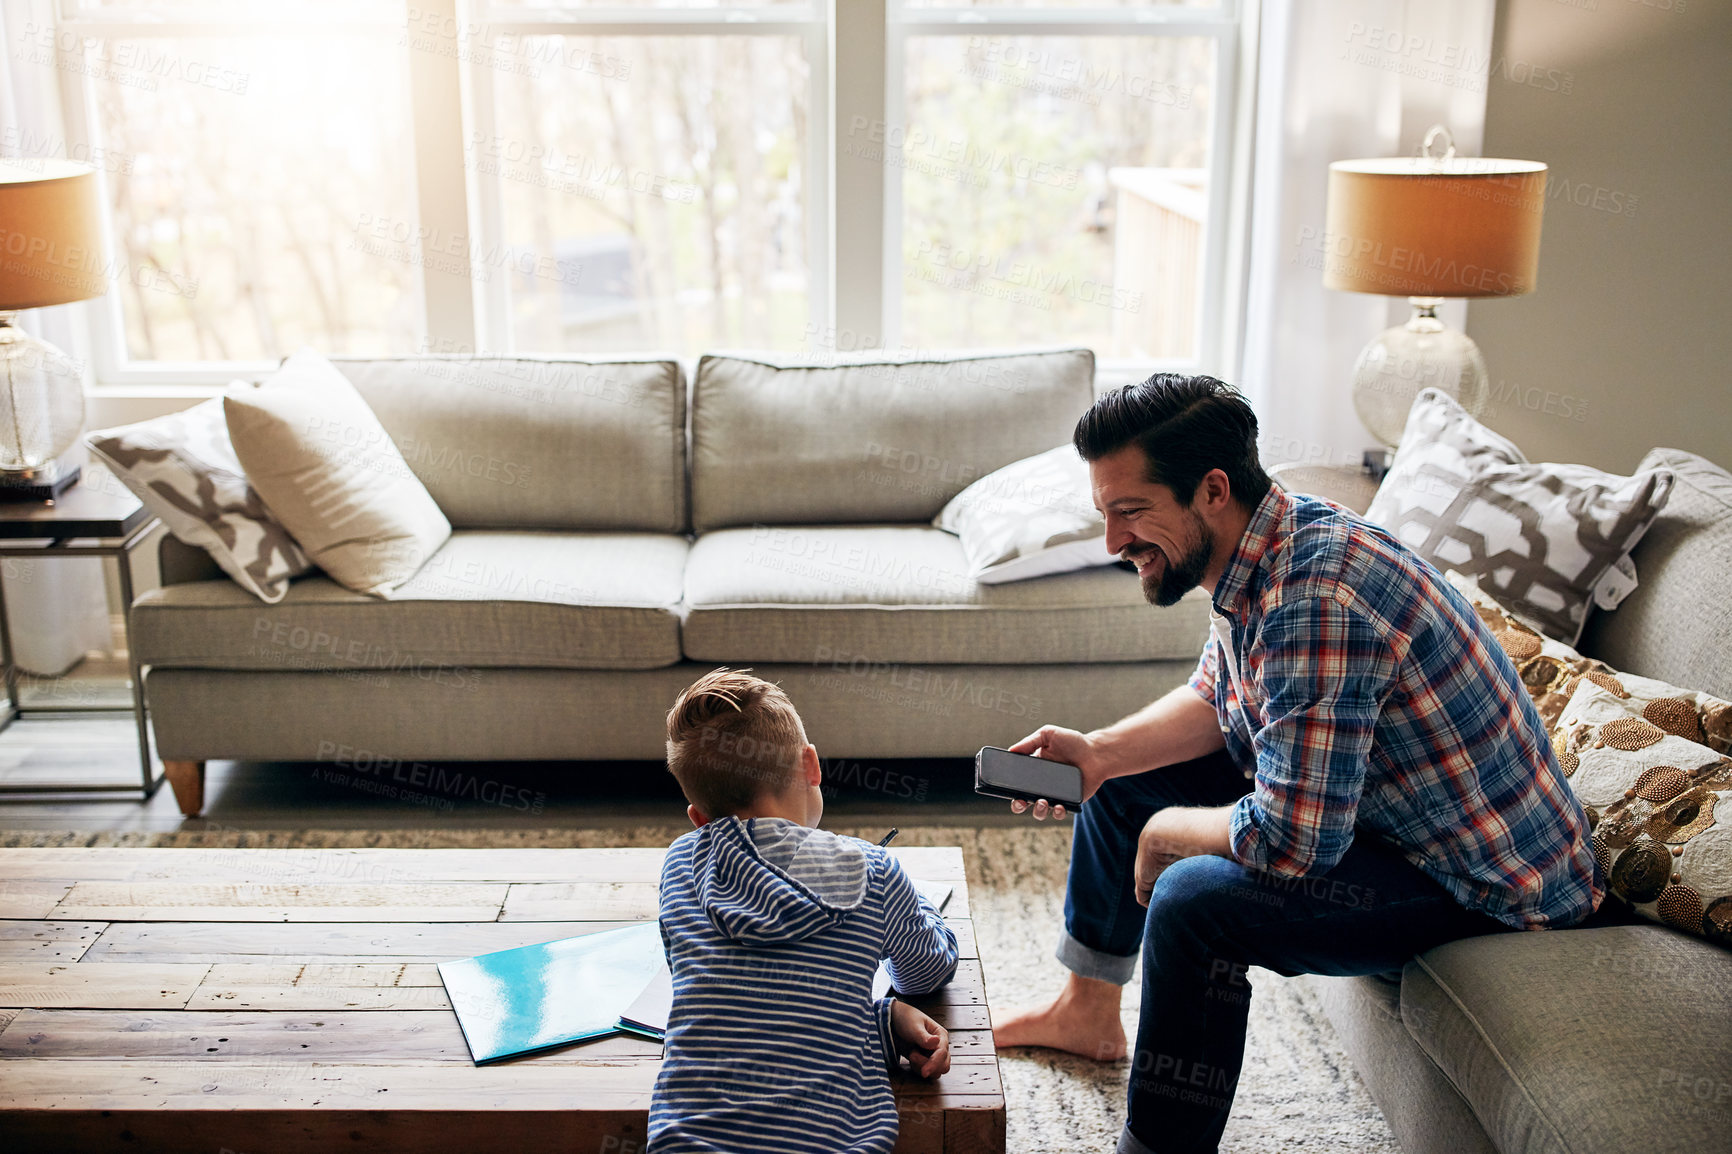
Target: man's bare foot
1083, 1019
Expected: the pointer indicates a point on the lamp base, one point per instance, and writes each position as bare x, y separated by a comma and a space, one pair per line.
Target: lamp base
44, 484
1402, 362
41, 405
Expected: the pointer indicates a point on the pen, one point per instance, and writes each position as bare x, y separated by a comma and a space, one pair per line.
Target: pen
888, 836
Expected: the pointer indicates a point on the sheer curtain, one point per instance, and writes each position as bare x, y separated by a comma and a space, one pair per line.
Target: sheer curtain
58, 608
1340, 79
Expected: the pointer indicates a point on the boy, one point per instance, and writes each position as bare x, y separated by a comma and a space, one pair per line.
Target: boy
774, 930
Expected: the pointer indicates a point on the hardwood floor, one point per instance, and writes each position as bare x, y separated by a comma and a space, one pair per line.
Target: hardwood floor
478, 795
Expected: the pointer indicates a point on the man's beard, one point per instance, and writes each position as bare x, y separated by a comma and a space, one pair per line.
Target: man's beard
1176, 580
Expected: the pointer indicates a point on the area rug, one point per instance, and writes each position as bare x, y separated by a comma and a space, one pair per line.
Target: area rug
1297, 1092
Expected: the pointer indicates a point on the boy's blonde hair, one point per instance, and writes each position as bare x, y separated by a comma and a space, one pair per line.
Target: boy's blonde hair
732, 738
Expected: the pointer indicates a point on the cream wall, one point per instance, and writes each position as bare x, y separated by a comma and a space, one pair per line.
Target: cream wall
1630, 331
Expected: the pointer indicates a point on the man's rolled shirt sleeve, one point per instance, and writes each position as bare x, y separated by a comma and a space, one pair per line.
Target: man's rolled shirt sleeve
1324, 674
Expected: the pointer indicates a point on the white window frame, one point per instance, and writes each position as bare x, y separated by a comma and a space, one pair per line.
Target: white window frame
855, 50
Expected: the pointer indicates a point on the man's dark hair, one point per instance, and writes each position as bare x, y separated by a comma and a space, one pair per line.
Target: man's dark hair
1185, 426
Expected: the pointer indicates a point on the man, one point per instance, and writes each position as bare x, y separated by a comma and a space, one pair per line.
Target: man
1353, 775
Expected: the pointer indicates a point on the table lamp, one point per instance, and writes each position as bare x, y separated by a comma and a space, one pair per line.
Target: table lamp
50, 254
1428, 227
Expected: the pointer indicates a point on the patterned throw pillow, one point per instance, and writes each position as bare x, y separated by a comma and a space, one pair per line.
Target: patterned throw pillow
1552, 671
1659, 803
1546, 540
184, 469
1031, 518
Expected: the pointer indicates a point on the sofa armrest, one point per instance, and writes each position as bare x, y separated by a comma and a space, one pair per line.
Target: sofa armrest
1343, 484
182, 563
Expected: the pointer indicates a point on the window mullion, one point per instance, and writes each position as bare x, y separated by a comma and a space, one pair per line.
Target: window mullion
858, 80
493, 333
821, 138
1212, 281
1235, 226
441, 188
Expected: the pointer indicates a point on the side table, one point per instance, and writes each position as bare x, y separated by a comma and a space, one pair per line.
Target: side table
87, 520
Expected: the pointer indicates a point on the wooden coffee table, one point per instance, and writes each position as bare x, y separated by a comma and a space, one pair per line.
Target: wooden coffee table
265, 1000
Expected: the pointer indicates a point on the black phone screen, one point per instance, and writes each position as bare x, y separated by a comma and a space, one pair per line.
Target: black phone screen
1030, 778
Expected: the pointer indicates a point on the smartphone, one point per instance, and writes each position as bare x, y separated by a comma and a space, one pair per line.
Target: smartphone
1019, 777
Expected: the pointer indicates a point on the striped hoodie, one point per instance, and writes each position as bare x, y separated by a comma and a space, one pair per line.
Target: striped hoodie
773, 933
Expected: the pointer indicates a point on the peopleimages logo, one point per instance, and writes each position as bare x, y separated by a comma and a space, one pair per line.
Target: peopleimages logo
1397, 268
134, 63
955, 157
1537, 400
937, 261
942, 691
406, 780
1014, 62
1450, 64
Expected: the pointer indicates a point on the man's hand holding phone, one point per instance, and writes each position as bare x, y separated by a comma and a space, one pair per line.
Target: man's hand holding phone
1067, 745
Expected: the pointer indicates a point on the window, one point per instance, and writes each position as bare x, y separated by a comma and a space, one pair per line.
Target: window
1077, 196
238, 161
663, 183
377, 177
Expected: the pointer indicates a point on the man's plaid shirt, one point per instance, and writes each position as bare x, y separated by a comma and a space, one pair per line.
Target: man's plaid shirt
1379, 704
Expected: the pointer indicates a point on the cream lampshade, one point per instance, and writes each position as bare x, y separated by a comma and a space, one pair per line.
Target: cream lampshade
50, 254
1429, 227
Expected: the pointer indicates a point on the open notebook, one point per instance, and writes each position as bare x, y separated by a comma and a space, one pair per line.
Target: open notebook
535, 997
648, 1015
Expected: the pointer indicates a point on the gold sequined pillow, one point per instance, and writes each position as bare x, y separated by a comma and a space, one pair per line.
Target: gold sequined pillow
1659, 804
1552, 670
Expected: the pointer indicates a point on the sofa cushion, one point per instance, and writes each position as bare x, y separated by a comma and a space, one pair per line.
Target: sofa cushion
330, 473
1545, 539
1552, 673
1659, 803
486, 599
1426, 1112
781, 441
1032, 518
901, 593
537, 442
1677, 625
1610, 1039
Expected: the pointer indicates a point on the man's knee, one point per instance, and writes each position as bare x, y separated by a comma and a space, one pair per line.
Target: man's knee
1195, 892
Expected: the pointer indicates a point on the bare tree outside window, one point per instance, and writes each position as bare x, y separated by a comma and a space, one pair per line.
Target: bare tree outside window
270, 209
664, 178
1054, 190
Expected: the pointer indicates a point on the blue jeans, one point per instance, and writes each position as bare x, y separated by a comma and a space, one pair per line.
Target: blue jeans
1207, 921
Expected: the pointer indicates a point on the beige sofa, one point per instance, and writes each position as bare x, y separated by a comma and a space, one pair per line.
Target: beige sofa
616, 533
1615, 1039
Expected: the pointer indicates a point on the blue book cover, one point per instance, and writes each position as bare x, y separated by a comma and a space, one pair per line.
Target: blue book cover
551, 994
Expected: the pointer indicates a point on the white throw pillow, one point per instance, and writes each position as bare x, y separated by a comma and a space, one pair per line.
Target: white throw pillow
331, 474
185, 471
1031, 518
1547, 541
